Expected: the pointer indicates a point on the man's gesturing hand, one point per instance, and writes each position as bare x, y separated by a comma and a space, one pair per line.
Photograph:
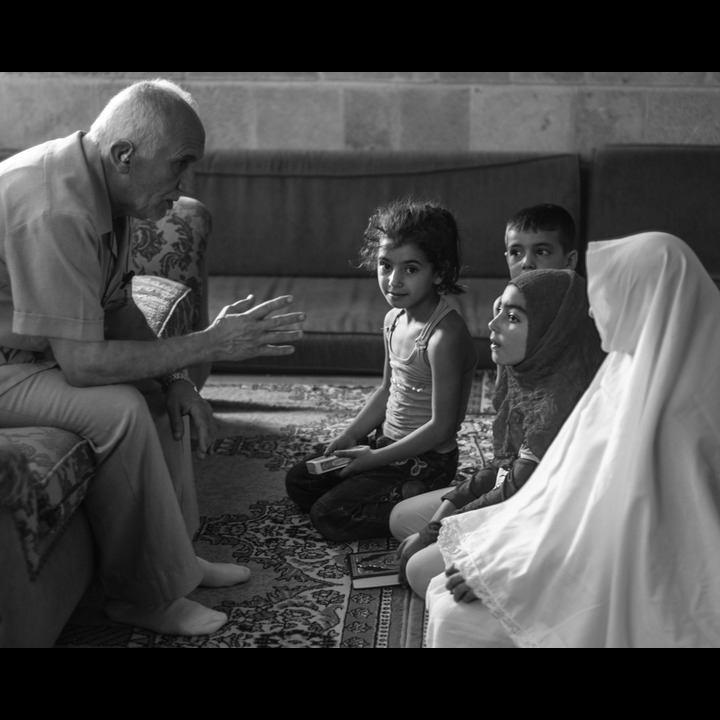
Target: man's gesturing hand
243, 331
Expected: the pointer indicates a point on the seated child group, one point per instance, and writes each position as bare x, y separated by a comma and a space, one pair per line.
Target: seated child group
391, 471
595, 524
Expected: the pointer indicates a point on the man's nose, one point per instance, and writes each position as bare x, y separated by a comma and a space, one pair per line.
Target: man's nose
185, 181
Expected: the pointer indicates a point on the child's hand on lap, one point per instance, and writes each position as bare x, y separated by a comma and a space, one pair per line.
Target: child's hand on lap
361, 459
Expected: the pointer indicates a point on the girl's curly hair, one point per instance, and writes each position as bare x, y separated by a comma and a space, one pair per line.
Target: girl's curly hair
429, 225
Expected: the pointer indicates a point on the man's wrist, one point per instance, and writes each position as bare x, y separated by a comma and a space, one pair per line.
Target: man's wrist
172, 377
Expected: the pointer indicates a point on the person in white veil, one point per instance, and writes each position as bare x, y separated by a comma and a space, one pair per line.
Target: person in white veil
616, 541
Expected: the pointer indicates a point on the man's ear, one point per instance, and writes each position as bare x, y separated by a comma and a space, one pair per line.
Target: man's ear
121, 153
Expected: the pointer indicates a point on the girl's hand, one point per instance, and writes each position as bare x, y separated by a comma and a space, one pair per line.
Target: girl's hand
361, 459
458, 588
341, 442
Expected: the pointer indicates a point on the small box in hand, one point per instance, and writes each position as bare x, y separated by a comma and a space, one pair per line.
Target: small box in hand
326, 463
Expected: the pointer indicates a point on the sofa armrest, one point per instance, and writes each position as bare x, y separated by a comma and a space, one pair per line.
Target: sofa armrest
170, 256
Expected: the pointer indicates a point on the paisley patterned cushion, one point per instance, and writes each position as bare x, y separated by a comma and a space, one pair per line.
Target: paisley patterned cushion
43, 481
175, 248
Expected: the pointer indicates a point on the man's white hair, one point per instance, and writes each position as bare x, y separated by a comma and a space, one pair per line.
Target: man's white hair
141, 114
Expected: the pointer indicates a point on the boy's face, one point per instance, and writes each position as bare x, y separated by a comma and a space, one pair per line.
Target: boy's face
536, 251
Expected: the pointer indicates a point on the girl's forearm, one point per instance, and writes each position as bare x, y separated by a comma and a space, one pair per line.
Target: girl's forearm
370, 417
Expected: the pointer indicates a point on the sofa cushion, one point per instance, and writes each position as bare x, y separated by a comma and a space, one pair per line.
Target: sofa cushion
44, 479
343, 330
293, 213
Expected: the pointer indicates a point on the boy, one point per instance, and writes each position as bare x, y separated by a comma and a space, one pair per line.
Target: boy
539, 237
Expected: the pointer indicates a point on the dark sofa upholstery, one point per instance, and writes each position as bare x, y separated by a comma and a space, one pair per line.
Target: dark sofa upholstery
636, 188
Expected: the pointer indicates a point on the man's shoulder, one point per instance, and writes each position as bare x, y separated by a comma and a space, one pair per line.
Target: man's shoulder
37, 156
53, 178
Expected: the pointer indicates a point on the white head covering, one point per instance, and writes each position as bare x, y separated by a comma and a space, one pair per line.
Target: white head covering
615, 540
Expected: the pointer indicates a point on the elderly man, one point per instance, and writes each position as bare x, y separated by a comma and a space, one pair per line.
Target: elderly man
76, 353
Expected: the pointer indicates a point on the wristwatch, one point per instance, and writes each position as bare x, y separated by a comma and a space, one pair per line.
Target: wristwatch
166, 381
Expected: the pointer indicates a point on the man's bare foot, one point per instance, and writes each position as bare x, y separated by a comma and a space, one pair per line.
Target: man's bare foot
222, 574
180, 617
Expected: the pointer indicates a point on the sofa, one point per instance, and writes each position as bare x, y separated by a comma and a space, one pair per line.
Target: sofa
47, 552
291, 222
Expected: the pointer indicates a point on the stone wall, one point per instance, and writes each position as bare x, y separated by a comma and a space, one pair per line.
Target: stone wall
453, 111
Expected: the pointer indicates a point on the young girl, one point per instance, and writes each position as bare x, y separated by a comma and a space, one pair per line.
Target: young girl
417, 410
614, 542
550, 349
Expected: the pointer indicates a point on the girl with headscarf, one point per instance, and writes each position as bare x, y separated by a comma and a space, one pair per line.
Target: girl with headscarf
550, 349
615, 542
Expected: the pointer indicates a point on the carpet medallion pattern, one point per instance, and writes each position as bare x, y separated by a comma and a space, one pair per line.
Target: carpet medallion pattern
299, 594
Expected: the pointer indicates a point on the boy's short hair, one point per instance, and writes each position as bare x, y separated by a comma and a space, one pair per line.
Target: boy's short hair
545, 218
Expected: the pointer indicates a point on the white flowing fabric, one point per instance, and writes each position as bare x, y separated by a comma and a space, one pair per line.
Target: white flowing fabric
615, 541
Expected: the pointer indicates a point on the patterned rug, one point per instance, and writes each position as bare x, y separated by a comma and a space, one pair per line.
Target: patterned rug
299, 594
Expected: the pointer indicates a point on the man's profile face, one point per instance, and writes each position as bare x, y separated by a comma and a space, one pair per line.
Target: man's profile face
157, 180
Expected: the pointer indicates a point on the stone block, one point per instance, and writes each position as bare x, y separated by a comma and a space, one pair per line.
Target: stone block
227, 112
608, 116
252, 76
521, 119
299, 117
371, 119
359, 76
648, 79
33, 110
683, 117
434, 119
561, 78
474, 78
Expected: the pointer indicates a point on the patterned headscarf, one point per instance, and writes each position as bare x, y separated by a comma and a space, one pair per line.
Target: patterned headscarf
535, 397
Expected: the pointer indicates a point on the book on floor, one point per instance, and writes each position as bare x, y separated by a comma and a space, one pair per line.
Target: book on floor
374, 568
